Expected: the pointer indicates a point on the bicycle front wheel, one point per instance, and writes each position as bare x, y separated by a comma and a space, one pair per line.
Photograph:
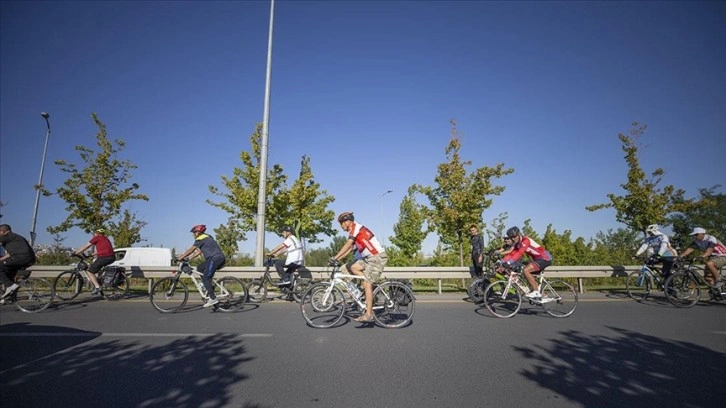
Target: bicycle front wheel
393, 305
502, 300
67, 285
231, 293
169, 295
323, 305
477, 288
301, 285
34, 295
257, 291
638, 285
559, 298
682, 290
119, 289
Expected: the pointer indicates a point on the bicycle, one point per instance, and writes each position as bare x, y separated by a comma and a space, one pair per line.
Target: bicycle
324, 304
170, 294
479, 284
504, 297
640, 283
114, 282
301, 279
685, 287
33, 295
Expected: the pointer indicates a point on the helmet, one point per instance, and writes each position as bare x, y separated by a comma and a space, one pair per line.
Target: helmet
652, 228
100, 230
287, 229
200, 228
346, 216
513, 232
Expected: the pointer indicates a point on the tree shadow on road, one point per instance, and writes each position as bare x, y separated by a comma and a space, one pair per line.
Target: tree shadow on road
628, 369
71, 370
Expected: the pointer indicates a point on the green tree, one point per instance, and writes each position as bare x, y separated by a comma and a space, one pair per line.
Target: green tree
127, 231
409, 231
459, 199
226, 237
614, 247
95, 194
709, 213
645, 202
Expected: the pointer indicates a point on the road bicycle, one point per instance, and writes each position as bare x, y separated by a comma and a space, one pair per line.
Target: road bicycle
115, 284
170, 294
479, 285
641, 282
301, 279
504, 297
33, 295
324, 304
685, 287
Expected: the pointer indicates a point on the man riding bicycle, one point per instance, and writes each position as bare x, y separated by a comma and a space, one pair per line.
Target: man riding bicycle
214, 259
657, 243
541, 258
104, 256
18, 255
712, 250
292, 247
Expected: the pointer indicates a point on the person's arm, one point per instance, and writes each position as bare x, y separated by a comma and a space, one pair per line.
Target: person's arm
190, 253
641, 249
277, 249
687, 252
83, 248
344, 250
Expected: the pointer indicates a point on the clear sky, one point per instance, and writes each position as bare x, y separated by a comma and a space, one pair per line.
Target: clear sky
366, 89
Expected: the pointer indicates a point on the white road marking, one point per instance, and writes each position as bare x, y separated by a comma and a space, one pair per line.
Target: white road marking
96, 334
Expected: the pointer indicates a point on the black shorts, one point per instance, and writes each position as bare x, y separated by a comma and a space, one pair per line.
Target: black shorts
100, 262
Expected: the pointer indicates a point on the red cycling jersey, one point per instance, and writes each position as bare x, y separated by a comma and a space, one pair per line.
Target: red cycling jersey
530, 247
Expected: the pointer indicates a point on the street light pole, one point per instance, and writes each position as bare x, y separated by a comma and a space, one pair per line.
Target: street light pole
262, 192
380, 203
39, 186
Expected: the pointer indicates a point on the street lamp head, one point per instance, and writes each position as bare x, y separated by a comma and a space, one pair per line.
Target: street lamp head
45, 115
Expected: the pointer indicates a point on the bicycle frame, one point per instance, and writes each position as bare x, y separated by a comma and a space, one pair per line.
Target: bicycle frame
337, 279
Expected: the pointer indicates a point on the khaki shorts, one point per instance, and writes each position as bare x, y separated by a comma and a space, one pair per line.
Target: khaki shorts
719, 261
373, 266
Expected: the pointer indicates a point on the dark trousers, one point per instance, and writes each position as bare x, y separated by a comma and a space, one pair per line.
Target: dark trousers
477, 267
9, 269
285, 271
208, 268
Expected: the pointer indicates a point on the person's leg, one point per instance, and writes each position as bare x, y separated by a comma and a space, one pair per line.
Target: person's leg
713, 265
281, 272
7, 276
358, 268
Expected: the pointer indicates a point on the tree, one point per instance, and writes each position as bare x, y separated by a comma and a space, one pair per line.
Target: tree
645, 202
409, 230
226, 237
96, 193
459, 199
709, 213
127, 231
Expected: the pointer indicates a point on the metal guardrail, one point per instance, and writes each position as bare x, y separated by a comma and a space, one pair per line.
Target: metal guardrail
394, 272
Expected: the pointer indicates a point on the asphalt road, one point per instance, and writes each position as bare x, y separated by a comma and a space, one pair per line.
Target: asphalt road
611, 352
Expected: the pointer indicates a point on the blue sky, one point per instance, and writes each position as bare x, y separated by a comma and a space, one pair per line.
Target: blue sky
366, 89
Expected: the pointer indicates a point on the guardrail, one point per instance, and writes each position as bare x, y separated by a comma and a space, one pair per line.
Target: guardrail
394, 272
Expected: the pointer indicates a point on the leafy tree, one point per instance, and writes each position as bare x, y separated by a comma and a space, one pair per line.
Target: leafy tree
227, 238
59, 254
645, 202
459, 199
709, 213
127, 231
96, 193
409, 230
241, 190
614, 247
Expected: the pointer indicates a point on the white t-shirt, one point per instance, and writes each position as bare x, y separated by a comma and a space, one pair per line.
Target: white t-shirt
293, 249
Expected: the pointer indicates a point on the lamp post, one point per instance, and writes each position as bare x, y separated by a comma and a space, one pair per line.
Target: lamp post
380, 203
39, 186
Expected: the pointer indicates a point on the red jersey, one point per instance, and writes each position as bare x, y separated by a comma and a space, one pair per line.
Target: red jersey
528, 246
103, 245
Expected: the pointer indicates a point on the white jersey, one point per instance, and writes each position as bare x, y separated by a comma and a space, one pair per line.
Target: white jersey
365, 241
293, 249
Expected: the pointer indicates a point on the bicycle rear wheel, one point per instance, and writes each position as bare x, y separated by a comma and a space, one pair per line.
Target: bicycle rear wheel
322, 306
477, 288
559, 298
34, 295
638, 285
231, 293
682, 290
257, 291
393, 304
169, 295
501, 300
67, 285
119, 289
301, 285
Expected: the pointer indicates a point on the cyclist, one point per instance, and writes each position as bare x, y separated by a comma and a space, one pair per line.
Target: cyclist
504, 249
657, 244
18, 255
541, 258
214, 259
477, 251
373, 257
712, 250
292, 247
104, 256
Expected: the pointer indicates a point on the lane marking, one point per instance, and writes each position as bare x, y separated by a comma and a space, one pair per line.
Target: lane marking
92, 334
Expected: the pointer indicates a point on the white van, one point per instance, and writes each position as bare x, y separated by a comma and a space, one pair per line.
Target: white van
128, 257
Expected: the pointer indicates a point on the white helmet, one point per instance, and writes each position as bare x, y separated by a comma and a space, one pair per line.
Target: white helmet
652, 228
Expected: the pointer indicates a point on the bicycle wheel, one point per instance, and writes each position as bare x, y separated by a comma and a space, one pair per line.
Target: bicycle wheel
477, 288
393, 304
638, 285
322, 306
169, 295
118, 289
559, 298
682, 290
34, 295
67, 285
257, 291
231, 293
301, 285
502, 301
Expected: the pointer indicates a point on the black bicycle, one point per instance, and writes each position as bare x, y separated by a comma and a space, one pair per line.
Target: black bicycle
301, 279
32, 295
114, 282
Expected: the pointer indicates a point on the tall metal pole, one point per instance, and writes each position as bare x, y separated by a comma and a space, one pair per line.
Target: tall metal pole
39, 186
380, 202
262, 193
